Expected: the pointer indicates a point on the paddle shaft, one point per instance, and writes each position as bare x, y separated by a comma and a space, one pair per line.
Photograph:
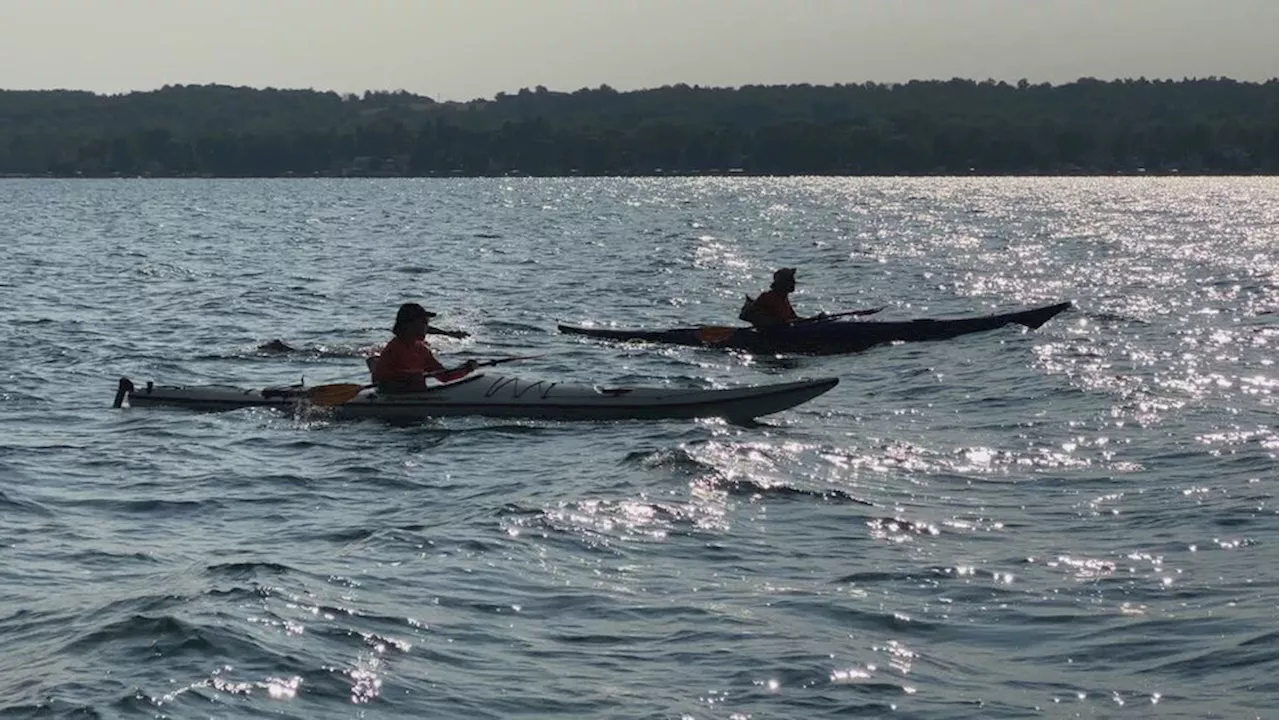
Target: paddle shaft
727, 330
340, 393
717, 334
482, 363
848, 313
432, 330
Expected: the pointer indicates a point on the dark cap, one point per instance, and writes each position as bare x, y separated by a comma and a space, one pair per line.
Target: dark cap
785, 274
411, 312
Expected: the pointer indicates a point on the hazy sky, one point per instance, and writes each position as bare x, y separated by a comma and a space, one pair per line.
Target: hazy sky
464, 49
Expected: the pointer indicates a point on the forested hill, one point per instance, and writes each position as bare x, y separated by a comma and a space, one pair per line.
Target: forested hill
1205, 126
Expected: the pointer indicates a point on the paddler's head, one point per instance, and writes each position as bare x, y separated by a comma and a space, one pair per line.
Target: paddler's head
784, 280
411, 321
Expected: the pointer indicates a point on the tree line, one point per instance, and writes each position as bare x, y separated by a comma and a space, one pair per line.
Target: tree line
1193, 126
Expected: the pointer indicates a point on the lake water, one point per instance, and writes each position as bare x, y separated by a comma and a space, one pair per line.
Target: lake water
1079, 521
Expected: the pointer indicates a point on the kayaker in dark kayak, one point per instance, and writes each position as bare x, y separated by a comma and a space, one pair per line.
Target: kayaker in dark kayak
406, 361
773, 306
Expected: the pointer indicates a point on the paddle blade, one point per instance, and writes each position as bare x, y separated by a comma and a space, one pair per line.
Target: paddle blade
500, 361
338, 394
859, 313
848, 313
714, 335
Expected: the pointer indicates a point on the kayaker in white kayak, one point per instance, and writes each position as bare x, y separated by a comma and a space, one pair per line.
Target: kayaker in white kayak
772, 307
406, 361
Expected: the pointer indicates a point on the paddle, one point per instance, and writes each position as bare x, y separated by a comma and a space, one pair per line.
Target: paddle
459, 334
716, 334
833, 316
339, 393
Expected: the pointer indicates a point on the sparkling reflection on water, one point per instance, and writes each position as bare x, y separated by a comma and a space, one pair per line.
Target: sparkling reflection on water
1076, 521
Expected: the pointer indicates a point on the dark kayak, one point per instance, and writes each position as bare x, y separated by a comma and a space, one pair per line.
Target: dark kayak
826, 337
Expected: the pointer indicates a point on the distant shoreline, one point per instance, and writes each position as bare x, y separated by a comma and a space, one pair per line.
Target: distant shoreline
955, 128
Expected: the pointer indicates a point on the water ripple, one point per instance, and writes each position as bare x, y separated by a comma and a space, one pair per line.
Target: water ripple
1072, 521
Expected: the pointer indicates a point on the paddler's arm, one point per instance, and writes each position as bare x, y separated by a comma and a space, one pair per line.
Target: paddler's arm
439, 372
434, 369
820, 317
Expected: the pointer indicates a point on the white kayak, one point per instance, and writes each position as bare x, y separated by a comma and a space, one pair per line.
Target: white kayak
499, 396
